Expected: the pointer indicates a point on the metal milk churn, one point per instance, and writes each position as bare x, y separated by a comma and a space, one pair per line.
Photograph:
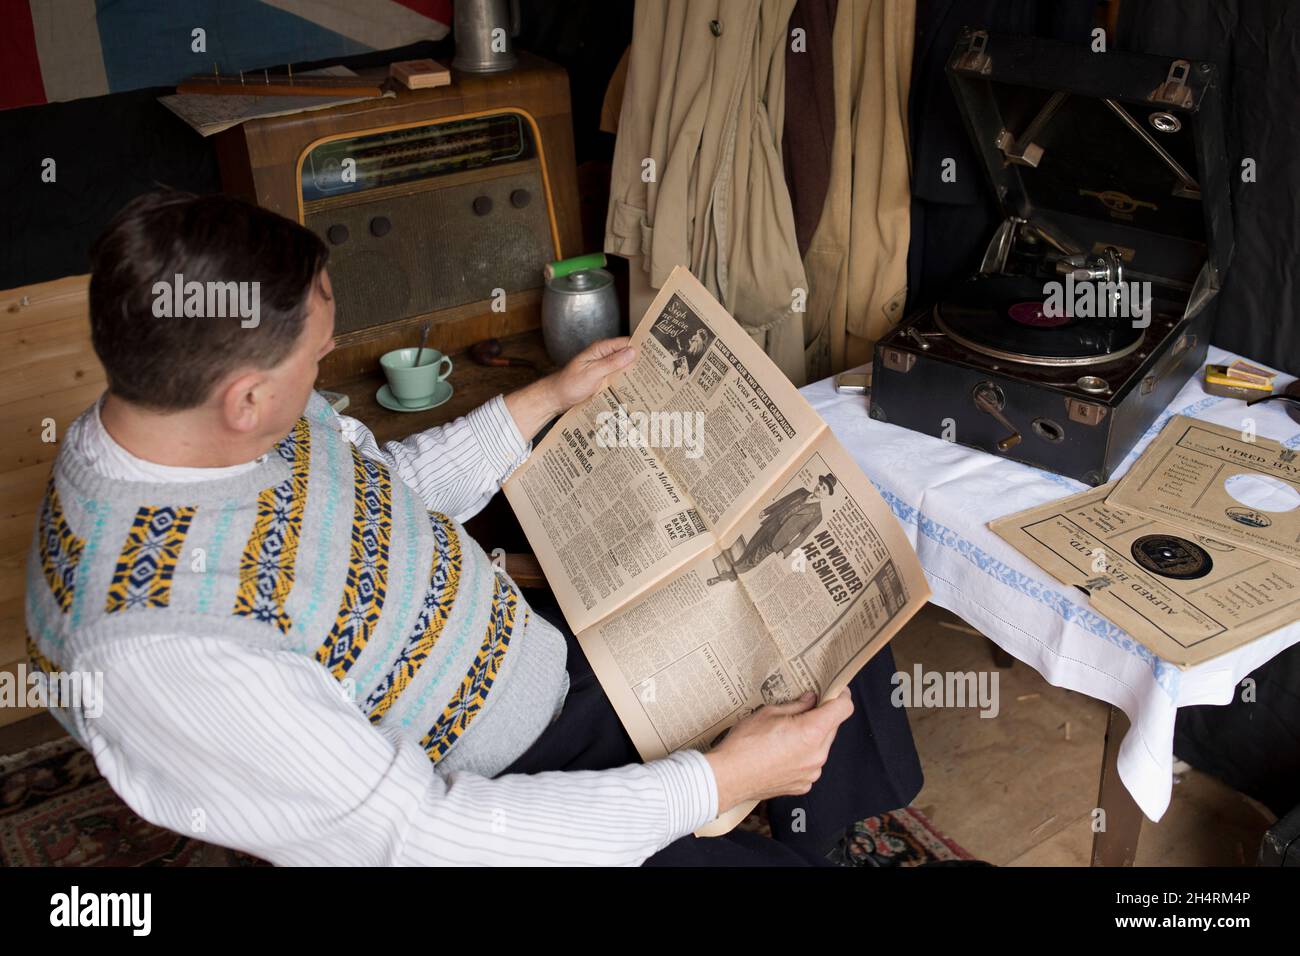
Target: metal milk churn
579, 306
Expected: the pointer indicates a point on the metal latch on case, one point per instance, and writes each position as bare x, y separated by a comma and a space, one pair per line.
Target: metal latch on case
896, 360
1085, 413
1174, 89
975, 58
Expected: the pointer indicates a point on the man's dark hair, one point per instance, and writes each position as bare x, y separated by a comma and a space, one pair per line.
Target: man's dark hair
171, 362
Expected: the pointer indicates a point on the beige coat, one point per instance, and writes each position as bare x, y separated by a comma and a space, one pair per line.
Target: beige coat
698, 178
857, 261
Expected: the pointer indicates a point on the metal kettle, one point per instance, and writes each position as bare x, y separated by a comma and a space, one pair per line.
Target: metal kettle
483, 30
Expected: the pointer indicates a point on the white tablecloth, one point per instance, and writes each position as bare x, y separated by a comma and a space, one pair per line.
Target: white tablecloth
945, 494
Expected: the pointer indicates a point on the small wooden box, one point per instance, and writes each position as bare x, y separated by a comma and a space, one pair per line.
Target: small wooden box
420, 74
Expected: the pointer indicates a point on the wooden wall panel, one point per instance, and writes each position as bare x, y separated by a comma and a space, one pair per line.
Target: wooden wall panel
48, 370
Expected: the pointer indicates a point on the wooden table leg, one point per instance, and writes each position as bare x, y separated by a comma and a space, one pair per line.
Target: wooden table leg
1117, 844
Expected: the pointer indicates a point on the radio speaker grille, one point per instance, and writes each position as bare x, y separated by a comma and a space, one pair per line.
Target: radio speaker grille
419, 252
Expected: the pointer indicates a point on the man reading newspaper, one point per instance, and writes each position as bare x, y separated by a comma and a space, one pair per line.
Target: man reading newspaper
307, 658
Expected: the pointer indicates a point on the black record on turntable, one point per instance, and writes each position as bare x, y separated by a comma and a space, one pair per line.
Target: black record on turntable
1003, 317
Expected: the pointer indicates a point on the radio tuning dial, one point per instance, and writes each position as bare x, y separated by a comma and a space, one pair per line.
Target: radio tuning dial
337, 234
482, 205
380, 225
520, 198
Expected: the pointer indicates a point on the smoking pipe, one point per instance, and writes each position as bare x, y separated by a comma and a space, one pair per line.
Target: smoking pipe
488, 352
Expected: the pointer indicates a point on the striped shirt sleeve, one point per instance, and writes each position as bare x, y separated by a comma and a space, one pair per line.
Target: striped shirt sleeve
259, 750
456, 467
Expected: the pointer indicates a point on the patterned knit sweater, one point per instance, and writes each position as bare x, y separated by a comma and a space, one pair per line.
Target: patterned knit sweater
316, 550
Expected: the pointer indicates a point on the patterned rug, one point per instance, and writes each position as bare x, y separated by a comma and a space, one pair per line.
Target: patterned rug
903, 837
56, 810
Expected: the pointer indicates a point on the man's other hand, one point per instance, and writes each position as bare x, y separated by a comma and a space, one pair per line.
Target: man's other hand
778, 750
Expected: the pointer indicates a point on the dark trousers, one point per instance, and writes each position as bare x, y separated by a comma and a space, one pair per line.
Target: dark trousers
872, 765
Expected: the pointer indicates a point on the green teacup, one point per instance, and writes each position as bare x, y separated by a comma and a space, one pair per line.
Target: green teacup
413, 385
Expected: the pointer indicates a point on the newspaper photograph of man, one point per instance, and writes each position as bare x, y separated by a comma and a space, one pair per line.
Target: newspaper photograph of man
783, 527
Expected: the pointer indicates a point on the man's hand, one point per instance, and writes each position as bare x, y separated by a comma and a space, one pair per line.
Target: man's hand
587, 371
778, 750
534, 405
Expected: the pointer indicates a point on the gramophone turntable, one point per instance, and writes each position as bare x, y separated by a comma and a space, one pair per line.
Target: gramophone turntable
1087, 313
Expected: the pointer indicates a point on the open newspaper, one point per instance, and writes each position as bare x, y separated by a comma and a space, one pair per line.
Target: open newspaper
711, 544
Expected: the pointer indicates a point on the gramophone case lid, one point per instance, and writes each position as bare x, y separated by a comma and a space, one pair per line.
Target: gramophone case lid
1102, 149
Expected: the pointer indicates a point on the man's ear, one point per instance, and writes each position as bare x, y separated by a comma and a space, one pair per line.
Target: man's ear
241, 402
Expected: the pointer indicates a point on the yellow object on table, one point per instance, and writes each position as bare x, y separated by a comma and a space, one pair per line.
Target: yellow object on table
1217, 381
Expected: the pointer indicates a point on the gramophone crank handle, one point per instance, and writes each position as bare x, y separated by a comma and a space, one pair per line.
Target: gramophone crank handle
987, 400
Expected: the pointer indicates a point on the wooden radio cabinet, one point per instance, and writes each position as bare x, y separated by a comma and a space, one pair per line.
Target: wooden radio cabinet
440, 204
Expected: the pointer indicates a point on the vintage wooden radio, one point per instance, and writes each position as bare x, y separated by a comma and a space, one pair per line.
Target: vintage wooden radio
1111, 172
437, 204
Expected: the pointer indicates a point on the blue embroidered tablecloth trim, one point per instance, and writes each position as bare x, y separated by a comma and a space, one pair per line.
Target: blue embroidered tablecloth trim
1166, 674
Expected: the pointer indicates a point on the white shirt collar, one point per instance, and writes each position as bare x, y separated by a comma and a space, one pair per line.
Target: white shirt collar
92, 440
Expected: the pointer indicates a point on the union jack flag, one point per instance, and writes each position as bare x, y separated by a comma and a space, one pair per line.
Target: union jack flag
52, 50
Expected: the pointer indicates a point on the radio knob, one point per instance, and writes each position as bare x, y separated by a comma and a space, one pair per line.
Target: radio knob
380, 225
520, 198
482, 205
337, 233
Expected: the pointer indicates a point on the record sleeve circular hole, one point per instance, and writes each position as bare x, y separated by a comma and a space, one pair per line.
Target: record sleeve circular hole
1047, 429
1262, 492
1166, 122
